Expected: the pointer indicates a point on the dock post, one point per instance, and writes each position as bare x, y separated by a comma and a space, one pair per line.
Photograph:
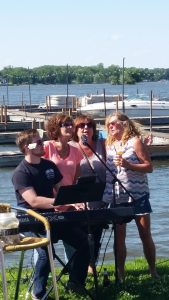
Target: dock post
2, 108
117, 103
104, 99
5, 114
33, 124
151, 98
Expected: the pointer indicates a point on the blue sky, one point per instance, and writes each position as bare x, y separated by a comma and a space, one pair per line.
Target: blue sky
84, 32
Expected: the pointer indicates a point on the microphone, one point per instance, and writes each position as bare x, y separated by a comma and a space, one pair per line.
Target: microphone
84, 140
115, 179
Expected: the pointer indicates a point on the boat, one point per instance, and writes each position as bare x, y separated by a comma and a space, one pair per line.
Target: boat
89, 99
135, 105
158, 145
10, 158
58, 102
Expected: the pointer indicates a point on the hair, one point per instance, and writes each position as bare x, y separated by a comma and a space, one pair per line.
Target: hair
131, 129
81, 119
53, 125
25, 138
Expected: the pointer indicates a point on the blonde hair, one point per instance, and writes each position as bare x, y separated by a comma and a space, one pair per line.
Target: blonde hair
131, 129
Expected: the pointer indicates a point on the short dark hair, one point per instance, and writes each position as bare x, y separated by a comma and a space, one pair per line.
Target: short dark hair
25, 138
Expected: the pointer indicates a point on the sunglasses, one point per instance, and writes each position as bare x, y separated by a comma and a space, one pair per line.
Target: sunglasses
83, 125
36, 144
66, 124
113, 123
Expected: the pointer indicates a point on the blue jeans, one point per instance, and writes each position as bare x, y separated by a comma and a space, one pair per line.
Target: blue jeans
77, 238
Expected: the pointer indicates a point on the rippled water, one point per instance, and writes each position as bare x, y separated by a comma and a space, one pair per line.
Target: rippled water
159, 189
38, 93
158, 180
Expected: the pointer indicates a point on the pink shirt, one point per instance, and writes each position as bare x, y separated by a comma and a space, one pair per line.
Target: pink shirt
67, 166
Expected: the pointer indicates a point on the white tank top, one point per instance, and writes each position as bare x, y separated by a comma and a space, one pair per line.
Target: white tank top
135, 182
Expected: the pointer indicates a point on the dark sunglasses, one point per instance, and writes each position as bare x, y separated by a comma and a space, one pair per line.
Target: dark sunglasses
66, 124
83, 125
36, 144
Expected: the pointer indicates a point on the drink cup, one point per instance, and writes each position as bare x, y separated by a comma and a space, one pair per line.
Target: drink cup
117, 158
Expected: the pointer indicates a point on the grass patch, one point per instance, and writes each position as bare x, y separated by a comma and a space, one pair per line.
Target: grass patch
138, 283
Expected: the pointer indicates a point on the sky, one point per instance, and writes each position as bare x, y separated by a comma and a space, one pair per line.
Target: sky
84, 32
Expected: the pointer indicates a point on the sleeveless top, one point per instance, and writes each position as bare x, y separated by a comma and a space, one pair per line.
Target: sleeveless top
135, 182
97, 168
67, 166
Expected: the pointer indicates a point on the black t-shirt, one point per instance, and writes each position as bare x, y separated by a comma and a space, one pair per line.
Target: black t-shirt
42, 177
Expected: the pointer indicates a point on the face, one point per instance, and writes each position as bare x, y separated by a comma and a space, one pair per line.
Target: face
36, 147
85, 128
115, 128
67, 128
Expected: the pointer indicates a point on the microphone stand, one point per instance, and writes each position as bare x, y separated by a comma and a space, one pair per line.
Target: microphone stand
115, 179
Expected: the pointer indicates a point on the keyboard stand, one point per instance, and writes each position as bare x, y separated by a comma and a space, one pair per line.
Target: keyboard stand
83, 192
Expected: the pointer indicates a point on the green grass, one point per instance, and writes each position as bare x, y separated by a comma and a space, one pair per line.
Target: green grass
138, 283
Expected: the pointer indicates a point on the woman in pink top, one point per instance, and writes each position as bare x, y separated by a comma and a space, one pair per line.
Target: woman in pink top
60, 128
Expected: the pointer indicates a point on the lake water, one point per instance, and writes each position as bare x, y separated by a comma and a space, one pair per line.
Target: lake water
159, 190
158, 180
15, 94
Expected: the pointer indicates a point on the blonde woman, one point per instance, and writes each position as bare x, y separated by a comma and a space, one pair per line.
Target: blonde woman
128, 159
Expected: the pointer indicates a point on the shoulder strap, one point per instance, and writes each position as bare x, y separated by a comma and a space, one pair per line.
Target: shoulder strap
89, 164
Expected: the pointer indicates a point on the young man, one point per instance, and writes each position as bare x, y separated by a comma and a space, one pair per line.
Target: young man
36, 181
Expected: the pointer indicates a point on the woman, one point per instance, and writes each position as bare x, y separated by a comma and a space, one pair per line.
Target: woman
128, 158
60, 129
90, 164
85, 126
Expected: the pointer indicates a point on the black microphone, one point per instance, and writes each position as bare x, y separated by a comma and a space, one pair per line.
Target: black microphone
115, 179
84, 139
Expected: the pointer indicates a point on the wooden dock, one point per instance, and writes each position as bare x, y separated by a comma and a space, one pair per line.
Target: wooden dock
20, 120
10, 158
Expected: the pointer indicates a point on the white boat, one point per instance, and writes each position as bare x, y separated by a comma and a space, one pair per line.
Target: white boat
138, 105
58, 102
97, 98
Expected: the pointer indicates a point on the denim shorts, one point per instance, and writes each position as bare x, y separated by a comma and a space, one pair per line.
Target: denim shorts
142, 205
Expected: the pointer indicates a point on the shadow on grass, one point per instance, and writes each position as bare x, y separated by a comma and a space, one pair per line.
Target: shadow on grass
138, 284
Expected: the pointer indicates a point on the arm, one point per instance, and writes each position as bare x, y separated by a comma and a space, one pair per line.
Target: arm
141, 151
30, 196
77, 174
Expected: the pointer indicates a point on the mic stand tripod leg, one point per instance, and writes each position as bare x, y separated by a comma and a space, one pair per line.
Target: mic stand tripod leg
115, 254
92, 261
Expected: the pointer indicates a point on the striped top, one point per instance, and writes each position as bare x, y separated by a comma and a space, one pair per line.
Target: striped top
135, 182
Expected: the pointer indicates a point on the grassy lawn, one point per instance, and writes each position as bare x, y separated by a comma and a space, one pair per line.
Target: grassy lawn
138, 284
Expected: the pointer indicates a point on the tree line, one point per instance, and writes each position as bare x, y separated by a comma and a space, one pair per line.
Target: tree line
50, 74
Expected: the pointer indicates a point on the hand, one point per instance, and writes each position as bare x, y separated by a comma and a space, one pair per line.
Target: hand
67, 207
117, 159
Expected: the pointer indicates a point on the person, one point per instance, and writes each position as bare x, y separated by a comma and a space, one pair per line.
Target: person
60, 129
129, 160
91, 165
36, 182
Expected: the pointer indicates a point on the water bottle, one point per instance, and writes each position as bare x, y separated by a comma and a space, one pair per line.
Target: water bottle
9, 228
106, 280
